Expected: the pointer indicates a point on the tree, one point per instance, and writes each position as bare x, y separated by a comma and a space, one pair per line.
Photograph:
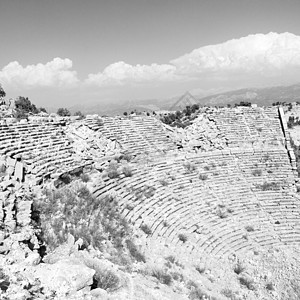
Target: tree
42, 109
125, 113
2, 92
79, 114
24, 104
63, 112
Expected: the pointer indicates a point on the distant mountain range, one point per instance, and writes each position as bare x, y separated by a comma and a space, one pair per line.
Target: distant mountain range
261, 96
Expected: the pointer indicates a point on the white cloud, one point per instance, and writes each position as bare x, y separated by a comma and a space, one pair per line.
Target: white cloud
55, 73
269, 55
258, 53
120, 73
264, 54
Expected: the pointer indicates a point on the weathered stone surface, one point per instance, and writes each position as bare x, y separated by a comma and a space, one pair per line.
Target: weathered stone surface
70, 273
24, 212
19, 171
99, 294
32, 259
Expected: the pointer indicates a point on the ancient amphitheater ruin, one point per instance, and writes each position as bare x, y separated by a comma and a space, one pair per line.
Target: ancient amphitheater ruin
222, 189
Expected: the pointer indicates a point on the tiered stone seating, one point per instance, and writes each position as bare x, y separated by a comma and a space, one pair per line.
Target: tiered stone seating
139, 134
247, 126
213, 198
42, 147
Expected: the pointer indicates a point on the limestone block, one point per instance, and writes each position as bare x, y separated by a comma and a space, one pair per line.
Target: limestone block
24, 212
70, 273
7, 183
11, 162
19, 171
32, 259
99, 294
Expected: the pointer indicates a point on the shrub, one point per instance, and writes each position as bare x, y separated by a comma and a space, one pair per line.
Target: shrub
268, 186
257, 172
177, 276
221, 213
65, 178
112, 173
129, 206
165, 224
106, 280
162, 276
171, 259
149, 191
200, 269
198, 294
2, 169
203, 177
134, 252
85, 177
230, 294
164, 182
127, 171
249, 228
238, 268
189, 167
79, 114
4, 280
230, 210
146, 229
247, 282
112, 170
182, 237
270, 286
127, 156
63, 112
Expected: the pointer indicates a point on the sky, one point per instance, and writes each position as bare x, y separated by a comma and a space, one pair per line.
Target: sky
61, 53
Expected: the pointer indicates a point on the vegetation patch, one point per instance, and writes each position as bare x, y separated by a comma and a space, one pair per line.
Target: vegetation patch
134, 252
230, 294
146, 229
200, 269
182, 237
85, 177
203, 177
238, 268
162, 276
106, 280
112, 170
247, 282
189, 167
72, 209
127, 171
257, 172
268, 186
249, 228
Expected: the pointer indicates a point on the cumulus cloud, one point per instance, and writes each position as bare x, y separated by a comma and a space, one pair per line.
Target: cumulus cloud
55, 73
268, 55
259, 53
263, 54
120, 73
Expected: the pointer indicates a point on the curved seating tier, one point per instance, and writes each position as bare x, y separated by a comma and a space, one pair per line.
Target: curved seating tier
139, 134
242, 126
43, 147
223, 201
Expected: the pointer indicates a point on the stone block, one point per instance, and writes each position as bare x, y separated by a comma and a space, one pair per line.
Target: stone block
69, 273
19, 171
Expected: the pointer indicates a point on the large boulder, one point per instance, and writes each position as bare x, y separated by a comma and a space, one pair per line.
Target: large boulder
69, 275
